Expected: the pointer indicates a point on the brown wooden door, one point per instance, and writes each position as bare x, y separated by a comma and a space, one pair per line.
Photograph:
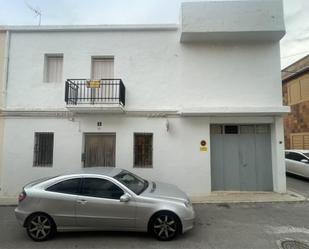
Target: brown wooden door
100, 150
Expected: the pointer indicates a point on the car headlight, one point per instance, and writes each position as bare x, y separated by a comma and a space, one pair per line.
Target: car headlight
188, 204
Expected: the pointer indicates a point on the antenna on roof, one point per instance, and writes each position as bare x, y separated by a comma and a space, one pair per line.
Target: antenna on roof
36, 11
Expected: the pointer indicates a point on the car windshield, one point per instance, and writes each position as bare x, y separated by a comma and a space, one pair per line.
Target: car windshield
306, 154
131, 181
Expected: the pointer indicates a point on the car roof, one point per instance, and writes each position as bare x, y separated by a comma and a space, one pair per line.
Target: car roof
84, 172
103, 171
299, 151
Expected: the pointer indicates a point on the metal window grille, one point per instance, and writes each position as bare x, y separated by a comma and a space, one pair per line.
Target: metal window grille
143, 150
43, 149
231, 129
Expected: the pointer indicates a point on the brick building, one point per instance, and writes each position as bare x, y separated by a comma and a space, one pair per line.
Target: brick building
295, 86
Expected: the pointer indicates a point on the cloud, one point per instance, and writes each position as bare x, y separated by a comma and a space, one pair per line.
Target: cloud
296, 42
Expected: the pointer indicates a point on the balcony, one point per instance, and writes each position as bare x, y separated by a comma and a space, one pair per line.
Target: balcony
104, 95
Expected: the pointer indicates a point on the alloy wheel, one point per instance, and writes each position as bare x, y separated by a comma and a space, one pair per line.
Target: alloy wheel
165, 227
40, 227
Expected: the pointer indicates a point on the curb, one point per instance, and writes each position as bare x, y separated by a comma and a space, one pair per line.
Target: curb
249, 197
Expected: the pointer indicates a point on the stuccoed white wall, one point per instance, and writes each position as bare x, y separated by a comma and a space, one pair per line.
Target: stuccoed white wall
229, 16
176, 155
157, 70
278, 157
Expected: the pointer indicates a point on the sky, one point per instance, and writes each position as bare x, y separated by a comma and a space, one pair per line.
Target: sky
294, 45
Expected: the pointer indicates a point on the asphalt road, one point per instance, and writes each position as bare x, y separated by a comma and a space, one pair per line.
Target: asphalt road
298, 185
218, 226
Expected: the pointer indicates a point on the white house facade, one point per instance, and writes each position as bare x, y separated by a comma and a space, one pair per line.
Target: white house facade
197, 104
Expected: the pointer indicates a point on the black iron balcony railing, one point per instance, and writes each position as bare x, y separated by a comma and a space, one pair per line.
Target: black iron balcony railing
103, 91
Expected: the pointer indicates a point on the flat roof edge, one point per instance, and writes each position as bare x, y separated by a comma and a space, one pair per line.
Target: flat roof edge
49, 28
296, 74
232, 110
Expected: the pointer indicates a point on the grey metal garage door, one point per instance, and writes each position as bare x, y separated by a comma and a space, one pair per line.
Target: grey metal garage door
241, 158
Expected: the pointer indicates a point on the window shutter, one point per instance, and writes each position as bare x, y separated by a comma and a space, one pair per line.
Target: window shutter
294, 92
54, 66
299, 141
102, 68
304, 86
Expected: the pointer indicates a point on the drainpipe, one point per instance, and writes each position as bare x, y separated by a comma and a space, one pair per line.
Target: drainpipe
6, 65
3, 94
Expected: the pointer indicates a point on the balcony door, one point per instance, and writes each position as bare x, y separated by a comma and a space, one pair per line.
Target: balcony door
100, 150
103, 69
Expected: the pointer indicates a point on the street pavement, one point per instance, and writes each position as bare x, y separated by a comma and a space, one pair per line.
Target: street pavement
218, 226
298, 185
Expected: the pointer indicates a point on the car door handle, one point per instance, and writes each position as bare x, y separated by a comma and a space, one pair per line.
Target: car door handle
81, 202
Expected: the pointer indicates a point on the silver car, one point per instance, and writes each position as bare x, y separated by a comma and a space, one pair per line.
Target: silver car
113, 199
297, 162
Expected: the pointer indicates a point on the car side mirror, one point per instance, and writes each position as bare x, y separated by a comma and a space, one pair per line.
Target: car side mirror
304, 160
125, 198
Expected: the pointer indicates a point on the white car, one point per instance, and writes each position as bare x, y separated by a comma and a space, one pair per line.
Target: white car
297, 162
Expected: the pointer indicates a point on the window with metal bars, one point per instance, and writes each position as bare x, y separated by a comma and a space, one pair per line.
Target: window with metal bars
43, 149
143, 150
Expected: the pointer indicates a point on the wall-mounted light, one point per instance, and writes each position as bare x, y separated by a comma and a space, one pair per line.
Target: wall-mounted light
99, 125
167, 125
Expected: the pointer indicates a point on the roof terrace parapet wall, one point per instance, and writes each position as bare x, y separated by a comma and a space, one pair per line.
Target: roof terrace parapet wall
232, 21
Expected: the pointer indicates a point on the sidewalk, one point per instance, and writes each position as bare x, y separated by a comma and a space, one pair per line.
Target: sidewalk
241, 197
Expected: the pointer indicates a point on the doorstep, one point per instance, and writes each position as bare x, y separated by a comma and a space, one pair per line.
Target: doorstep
239, 197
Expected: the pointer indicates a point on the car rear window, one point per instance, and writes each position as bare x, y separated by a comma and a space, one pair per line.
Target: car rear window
70, 186
35, 182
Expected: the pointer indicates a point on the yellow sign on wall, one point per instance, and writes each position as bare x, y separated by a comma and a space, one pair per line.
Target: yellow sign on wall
203, 148
203, 145
93, 83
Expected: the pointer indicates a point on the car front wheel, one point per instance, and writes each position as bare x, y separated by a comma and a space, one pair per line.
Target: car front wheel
165, 226
40, 227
